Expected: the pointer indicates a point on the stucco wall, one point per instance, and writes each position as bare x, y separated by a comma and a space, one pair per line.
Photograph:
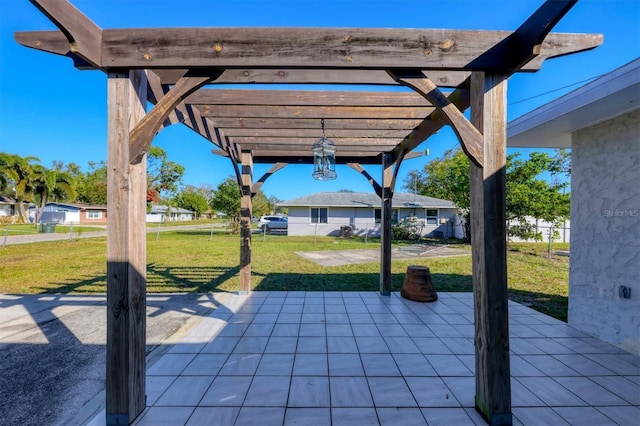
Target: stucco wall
605, 237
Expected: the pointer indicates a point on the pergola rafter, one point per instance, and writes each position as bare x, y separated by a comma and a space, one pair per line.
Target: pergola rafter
184, 70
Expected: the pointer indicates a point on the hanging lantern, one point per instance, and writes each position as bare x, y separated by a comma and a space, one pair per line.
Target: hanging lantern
324, 158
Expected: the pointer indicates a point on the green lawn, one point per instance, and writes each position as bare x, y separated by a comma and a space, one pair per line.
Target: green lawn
28, 229
187, 261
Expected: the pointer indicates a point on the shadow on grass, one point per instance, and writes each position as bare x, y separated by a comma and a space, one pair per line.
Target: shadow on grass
353, 282
210, 279
551, 304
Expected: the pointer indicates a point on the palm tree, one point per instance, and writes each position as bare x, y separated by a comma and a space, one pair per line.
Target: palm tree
18, 171
47, 182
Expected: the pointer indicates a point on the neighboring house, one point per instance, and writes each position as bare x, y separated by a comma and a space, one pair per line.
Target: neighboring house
69, 213
600, 122
159, 214
326, 213
7, 206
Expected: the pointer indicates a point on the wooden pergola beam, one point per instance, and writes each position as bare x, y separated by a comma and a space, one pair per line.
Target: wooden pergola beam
83, 37
469, 137
343, 48
319, 98
317, 112
336, 134
373, 124
288, 76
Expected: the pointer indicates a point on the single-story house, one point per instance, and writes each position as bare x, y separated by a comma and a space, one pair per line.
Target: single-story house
600, 122
71, 213
159, 214
326, 213
7, 206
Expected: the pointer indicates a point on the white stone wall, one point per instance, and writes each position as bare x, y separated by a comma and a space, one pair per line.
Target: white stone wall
605, 225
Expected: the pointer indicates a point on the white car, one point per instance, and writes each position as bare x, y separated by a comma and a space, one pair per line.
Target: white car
267, 223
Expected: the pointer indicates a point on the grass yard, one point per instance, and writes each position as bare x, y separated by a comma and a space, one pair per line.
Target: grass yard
29, 229
186, 261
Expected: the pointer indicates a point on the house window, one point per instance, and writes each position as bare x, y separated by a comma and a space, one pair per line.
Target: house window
94, 214
432, 217
319, 214
377, 215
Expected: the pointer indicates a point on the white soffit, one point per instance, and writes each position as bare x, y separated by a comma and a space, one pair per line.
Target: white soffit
551, 125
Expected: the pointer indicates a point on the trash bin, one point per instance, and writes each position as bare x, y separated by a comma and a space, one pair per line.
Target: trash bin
48, 227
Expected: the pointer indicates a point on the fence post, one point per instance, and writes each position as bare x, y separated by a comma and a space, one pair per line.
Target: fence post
158, 231
6, 234
70, 230
211, 235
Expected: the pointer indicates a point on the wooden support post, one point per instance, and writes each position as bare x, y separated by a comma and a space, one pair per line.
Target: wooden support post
385, 224
246, 160
488, 239
126, 252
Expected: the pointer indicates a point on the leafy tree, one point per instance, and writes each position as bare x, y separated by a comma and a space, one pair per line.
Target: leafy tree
92, 186
526, 193
72, 171
260, 204
163, 176
226, 199
191, 198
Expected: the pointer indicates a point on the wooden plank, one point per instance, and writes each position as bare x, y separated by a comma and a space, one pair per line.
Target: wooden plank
489, 251
526, 43
555, 44
245, 222
316, 133
303, 157
374, 184
469, 137
386, 212
310, 47
310, 140
307, 98
352, 147
338, 112
144, 132
443, 78
84, 38
126, 253
228, 123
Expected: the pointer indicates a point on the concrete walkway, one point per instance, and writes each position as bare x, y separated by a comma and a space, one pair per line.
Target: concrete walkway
348, 257
39, 237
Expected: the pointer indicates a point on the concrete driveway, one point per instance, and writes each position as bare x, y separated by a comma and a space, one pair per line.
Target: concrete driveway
53, 351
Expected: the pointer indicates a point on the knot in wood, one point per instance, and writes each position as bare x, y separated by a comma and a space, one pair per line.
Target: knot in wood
443, 79
246, 73
447, 44
282, 74
346, 39
217, 48
349, 58
146, 56
428, 52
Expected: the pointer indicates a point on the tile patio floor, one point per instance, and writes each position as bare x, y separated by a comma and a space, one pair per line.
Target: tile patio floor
340, 358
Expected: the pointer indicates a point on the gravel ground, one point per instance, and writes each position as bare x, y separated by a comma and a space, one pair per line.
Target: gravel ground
53, 370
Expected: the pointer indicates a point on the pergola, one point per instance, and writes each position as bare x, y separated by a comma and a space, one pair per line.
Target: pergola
177, 70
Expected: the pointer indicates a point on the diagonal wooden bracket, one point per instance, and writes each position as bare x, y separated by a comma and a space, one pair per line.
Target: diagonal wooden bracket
142, 135
376, 186
255, 188
84, 37
470, 138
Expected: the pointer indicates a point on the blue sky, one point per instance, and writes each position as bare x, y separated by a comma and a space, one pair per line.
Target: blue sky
55, 112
